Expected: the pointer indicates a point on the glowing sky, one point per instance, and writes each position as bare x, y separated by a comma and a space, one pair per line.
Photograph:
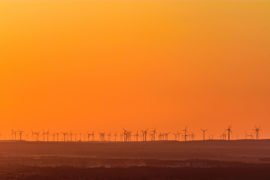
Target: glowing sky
108, 64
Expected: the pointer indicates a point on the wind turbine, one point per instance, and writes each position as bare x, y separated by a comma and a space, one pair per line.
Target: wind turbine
88, 136
144, 134
257, 132
20, 134
223, 135
47, 134
204, 132
43, 136
229, 132
192, 136
127, 135
64, 136
102, 136
153, 135
93, 135
185, 134
137, 136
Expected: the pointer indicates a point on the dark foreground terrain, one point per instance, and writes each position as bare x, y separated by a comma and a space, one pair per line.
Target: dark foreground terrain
70, 173
213, 160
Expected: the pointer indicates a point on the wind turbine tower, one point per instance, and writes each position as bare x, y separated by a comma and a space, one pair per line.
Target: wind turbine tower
153, 135
144, 135
185, 134
229, 132
204, 132
20, 135
137, 136
257, 132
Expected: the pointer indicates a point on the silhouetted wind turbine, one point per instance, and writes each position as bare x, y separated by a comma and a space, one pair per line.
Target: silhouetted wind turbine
229, 132
88, 136
64, 136
137, 136
204, 132
47, 134
102, 136
93, 135
160, 136
79, 137
223, 135
257, 132
127, 135
192, 136
144, 134
20, 135
153, 135
185, 134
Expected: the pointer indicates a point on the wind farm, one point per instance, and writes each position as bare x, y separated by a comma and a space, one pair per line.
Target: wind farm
134, 90
146, 135
144, 153
141, 156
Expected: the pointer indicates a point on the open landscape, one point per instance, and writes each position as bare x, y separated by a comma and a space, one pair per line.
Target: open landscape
134, 89
215, 159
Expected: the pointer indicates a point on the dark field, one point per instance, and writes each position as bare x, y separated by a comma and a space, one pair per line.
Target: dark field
69, 173
244, 159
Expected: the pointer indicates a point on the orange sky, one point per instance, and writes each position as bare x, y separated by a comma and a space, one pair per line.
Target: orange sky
108, 64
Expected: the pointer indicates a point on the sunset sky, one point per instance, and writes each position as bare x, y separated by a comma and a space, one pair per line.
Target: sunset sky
111, 64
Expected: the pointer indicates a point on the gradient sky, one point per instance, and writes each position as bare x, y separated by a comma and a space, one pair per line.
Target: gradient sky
108, 64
